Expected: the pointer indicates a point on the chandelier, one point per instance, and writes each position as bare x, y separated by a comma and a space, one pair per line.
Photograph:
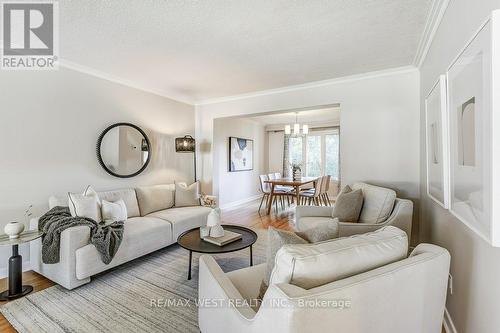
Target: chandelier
296, 127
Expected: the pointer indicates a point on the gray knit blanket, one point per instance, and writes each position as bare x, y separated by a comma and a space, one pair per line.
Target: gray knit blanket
105, 237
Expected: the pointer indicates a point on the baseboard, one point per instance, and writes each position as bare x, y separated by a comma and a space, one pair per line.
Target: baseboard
4, 271
449, 327
241, 202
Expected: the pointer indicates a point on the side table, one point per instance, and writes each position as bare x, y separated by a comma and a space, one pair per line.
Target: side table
16, 288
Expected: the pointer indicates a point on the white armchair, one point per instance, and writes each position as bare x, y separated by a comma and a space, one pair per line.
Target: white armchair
401, 217
380, 208
404, 296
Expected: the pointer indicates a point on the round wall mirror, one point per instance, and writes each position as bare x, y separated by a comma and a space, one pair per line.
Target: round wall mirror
123, 150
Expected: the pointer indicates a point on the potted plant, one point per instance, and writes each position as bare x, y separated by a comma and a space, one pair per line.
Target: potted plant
296, 171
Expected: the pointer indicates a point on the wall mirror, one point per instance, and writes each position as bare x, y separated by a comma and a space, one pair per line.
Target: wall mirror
123, 150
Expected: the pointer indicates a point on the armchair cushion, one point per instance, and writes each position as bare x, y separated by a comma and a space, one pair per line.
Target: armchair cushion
378, 203
312, 265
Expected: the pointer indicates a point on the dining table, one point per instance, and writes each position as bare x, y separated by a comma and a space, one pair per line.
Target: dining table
295, 183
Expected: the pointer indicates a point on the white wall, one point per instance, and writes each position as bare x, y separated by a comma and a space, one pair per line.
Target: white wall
237, 187
276, 142
380, 126
50, 122
475, 265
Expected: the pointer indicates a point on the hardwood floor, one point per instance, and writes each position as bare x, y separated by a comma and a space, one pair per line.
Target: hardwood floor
245, 215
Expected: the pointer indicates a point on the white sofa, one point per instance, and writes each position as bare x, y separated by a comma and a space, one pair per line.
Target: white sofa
405, 295
380, 208
79, 260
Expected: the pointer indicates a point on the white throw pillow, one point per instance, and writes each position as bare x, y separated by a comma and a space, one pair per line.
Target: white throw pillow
86, 204
187, 195
114, 211
312, 265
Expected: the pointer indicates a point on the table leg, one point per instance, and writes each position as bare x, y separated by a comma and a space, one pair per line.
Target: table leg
270, 202
190, 260
16, 288
251, 256
297, 193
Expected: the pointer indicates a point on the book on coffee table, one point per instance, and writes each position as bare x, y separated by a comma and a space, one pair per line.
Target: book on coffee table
228, 237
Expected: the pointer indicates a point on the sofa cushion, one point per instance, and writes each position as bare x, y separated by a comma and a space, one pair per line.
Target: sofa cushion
313, 265
183, 218
377, 204
155, 198
142, 235
127, 195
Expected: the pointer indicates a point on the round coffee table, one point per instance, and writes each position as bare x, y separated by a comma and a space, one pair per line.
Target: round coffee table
191, 241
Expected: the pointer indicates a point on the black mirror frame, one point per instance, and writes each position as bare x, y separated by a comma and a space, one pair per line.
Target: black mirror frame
98, 150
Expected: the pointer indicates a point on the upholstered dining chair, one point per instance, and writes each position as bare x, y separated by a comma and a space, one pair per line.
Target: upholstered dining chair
266, 191
313, 195
325, 185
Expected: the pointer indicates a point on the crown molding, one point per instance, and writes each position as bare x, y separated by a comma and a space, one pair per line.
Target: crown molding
116, 79
63, 63
438, 8
314, 84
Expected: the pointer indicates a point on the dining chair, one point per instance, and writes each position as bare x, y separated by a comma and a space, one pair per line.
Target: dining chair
266, 191
325, 185
313, 195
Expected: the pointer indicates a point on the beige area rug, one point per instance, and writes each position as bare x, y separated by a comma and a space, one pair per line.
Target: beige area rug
120, 300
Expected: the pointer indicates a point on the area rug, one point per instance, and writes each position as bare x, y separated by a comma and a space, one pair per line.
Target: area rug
123, 299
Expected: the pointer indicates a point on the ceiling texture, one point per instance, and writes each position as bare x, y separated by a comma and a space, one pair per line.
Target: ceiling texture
198, 50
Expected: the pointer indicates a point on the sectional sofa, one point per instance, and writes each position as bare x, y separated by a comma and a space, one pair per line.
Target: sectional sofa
147, 229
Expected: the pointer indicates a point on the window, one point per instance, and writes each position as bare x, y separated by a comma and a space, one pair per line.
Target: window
319, 150
332, 155
314, 159
296, 150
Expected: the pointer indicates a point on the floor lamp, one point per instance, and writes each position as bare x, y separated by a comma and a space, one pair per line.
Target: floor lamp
187, 144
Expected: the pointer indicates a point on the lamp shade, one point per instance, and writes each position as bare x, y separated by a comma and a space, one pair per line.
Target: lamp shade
185, 144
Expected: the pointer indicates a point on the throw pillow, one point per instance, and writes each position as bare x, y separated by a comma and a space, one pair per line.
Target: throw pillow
114, 211
86, 204
348, 205
187, 195
275, 240
321, 232
155, 198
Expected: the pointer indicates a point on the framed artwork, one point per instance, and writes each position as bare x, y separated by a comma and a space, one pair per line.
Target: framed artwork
474, 122
240, 154
437, 143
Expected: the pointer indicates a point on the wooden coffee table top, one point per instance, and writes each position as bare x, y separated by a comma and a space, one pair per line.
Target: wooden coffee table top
190, 240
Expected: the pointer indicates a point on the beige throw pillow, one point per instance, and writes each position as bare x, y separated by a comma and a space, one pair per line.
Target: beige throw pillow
155, 198
321, 232
348, 205
86, 204
186, 196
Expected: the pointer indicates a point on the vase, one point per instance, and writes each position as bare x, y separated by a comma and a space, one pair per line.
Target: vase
204, 231
13, 229
297, 174
213, 218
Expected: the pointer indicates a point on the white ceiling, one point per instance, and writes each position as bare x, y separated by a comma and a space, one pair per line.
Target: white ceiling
304, 117
197, 50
